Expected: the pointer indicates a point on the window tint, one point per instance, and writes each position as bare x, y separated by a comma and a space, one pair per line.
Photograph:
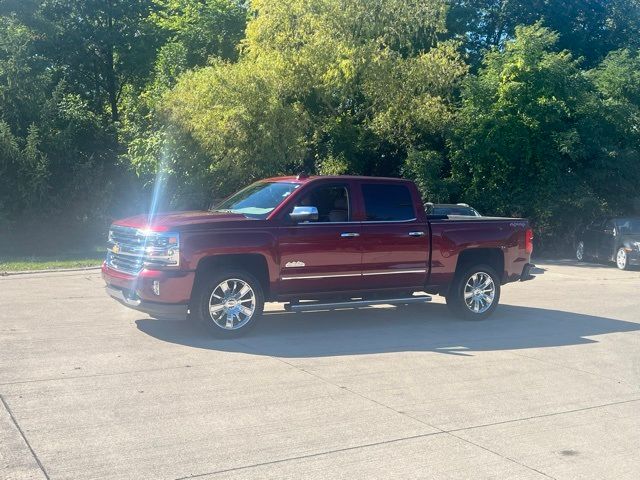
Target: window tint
629, 226
387, 202
332, 202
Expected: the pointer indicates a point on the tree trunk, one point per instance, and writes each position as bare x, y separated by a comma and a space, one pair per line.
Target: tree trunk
112, 86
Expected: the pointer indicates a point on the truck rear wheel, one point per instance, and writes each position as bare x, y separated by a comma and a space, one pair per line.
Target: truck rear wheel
228, 303
474, 293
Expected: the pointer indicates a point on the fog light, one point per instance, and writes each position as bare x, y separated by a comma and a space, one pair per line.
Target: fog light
156, 287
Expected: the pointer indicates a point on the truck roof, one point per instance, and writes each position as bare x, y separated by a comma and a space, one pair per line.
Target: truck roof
311, 178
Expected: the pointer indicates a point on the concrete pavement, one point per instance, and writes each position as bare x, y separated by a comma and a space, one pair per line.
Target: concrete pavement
547, 388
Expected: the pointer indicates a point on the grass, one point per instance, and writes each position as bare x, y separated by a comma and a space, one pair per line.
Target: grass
35, 262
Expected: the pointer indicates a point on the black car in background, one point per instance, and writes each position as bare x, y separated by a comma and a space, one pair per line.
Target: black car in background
611, 240
461, 209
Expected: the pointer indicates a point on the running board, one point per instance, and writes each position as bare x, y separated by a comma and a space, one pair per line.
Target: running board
301, 307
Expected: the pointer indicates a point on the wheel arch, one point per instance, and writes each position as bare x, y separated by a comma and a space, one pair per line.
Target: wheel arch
253, 263
494, 257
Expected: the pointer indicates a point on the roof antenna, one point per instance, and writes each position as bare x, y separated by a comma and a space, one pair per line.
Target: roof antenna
301, 176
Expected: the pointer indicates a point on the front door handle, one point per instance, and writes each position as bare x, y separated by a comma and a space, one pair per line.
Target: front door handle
416, 234
349, 234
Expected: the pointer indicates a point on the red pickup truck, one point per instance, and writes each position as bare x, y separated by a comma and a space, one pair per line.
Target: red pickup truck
315, 243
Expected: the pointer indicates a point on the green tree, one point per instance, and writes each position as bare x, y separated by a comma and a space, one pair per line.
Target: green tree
616, 174
24, 172
235, 114
98, 47
196, 32
524, 141
24, 75
587, 28
204, 96
205, 28
326, 86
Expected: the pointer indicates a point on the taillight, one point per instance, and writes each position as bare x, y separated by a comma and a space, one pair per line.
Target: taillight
528, 241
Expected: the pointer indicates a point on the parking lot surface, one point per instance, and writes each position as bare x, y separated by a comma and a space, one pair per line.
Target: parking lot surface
547, 388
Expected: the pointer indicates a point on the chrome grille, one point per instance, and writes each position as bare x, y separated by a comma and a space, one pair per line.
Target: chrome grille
128, 244
126, 236
124, 263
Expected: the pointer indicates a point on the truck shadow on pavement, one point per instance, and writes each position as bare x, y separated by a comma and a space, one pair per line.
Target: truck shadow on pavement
395, 329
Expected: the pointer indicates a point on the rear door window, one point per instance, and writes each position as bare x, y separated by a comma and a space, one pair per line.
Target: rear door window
387, 202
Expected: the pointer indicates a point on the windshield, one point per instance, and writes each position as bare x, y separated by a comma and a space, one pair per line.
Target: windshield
629, 227
257, 200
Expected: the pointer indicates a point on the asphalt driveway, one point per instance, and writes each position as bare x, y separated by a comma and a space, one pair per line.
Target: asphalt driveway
547, 388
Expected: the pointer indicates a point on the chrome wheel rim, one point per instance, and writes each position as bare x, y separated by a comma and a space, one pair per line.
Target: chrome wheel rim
479, 292
232, 304
580, 251
621, 259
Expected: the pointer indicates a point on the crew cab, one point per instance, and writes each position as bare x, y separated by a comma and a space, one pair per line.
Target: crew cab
314, 243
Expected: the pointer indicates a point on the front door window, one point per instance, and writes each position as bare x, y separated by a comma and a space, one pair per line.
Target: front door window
332, 202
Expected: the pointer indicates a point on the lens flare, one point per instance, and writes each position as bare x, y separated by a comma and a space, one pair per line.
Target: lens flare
158, 190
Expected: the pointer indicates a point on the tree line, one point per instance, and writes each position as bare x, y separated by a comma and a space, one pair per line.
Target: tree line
519, 108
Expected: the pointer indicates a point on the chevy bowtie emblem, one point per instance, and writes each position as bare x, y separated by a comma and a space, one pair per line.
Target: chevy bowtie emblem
294, 264
116, 248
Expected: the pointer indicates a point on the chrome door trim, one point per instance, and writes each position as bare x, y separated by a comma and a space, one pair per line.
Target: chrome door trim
373, 222
396, 272
338, 275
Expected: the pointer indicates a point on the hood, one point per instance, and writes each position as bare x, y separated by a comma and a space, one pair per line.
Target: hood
163, 222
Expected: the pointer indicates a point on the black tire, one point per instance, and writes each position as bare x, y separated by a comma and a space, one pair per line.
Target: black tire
456, 295
204, 294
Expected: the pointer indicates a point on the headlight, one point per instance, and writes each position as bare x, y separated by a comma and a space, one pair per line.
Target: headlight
161, 249
130, 249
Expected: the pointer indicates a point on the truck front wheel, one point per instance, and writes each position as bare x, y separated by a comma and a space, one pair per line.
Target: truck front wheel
474, 293
228, 303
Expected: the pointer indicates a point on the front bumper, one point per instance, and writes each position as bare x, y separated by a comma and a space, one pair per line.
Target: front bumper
155, 292
529, 272
153, 309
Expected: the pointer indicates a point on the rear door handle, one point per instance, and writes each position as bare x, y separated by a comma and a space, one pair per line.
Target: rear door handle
416, 234
349, 234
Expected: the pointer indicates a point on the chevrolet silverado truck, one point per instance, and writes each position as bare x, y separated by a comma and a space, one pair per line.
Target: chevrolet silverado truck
315, 243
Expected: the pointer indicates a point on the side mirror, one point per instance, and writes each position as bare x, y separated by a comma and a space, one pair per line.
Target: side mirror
304, 214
